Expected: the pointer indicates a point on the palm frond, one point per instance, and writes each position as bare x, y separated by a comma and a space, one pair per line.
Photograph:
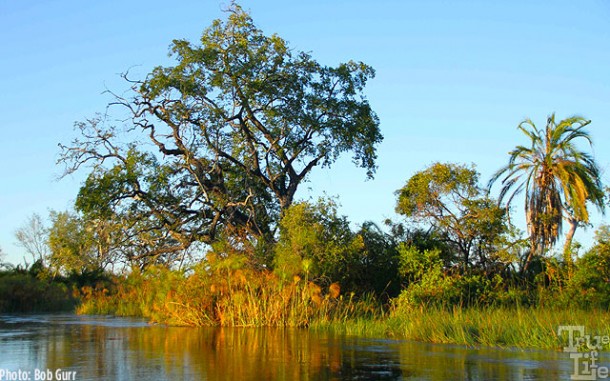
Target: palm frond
555, 175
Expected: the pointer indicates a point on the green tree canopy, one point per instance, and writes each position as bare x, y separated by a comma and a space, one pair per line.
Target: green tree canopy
448, 199
558, 179
76, 245
238, 124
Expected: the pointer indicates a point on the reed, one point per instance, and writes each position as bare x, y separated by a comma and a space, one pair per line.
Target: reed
516, 327
223, 296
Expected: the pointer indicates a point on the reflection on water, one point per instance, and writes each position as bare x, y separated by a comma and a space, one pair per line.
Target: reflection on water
108, 348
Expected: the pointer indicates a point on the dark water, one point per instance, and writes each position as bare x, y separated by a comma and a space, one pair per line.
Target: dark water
108, 348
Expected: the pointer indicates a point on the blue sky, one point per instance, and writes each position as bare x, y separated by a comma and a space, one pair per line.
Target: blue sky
454, 79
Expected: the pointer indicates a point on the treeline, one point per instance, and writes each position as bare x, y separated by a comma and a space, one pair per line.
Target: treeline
320, 269
32, 289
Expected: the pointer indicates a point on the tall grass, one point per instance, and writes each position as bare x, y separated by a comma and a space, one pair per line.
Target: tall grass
226, 293
531, 327
222, 295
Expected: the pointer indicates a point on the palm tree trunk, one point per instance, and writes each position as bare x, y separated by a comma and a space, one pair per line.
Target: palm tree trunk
567, 246
530, 255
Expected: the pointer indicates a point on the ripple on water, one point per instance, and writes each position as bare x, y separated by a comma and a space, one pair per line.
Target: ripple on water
14, 334
68, 319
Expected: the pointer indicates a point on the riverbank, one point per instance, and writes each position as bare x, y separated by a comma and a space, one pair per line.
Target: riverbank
252, 298
32, 291
489, 326
534, 328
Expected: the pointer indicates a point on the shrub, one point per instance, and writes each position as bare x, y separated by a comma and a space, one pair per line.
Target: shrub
22, 291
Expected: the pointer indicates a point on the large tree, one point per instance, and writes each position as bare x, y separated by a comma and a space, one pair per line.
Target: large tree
238, 124
558, 179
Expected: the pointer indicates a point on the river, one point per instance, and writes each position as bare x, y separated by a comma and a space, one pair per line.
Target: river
72, 347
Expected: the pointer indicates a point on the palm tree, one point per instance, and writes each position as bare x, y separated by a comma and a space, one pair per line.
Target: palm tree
558, 180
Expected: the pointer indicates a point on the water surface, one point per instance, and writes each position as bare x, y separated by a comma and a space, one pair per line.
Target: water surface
110, 348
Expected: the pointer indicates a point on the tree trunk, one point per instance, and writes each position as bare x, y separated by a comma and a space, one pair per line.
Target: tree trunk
567, 246
529, 256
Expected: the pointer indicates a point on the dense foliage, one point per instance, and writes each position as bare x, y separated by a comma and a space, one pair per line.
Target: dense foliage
35, 289
447, 199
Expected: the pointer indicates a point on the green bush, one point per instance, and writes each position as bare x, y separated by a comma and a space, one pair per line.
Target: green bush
22, 291
317, 244
590, 284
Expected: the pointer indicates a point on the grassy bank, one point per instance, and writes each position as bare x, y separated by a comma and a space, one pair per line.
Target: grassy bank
241, 298
477, 326
223, 296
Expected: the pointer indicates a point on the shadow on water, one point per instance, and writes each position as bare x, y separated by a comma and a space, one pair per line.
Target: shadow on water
129, 349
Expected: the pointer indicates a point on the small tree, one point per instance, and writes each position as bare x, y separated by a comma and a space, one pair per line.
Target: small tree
77, 245
590, 284
448, 199
33, 237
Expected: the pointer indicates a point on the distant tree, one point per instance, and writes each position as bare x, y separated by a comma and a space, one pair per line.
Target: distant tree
238, 124
69, 244
448, 199
558, 179
33, 237
76, 245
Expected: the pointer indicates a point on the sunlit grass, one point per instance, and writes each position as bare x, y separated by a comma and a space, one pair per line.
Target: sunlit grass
225, 295
477, 326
